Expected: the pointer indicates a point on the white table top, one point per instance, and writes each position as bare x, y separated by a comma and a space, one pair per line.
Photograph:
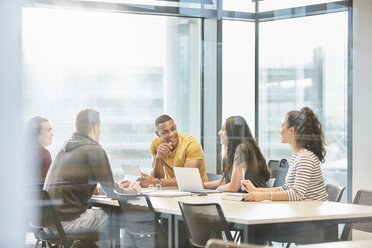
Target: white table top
342, 244
249, 213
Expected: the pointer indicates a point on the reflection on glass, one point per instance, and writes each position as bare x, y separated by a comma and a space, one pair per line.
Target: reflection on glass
303, 63
130, 73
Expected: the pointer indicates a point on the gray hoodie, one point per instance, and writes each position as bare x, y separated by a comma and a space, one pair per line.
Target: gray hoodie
74, 174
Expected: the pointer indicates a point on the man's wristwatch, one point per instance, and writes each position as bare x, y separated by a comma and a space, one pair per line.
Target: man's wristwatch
159, 181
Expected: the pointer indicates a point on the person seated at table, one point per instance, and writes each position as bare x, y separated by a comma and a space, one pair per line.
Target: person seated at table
38, 135
75, 172
241, 157
302, 130
172, 149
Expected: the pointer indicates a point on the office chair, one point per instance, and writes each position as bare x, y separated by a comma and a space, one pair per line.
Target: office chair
141, 222
213, 177
43, 215
334, 192
363, 197
203, 222
271, 182
334, 195
279, 171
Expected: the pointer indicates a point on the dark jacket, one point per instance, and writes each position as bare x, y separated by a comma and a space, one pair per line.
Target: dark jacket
74, 174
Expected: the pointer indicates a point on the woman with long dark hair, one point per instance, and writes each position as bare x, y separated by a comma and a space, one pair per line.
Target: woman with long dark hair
38, 135
241, 157
302, 130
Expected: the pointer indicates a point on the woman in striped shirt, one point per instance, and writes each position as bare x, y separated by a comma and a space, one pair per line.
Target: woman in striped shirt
302, 130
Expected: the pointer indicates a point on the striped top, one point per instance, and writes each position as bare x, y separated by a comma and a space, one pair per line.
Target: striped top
304, 180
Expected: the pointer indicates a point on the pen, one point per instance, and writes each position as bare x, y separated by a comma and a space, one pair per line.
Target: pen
243, 175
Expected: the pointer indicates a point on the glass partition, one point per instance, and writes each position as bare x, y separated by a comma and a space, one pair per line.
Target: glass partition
303, 62
130, 73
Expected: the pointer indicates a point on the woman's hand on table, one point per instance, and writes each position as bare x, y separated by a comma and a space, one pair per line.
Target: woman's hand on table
256, 196
247, 185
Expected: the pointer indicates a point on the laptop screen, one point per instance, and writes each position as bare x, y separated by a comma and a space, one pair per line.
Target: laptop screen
188, 179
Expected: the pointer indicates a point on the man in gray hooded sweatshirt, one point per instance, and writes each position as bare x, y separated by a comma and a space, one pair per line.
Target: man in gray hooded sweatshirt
75, 172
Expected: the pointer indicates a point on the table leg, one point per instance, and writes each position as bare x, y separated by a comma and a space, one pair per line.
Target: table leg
176, 238
170, 233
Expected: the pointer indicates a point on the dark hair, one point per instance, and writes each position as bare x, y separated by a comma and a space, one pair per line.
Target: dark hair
32, 131
309, 131
238, 133
161, 119
86, 119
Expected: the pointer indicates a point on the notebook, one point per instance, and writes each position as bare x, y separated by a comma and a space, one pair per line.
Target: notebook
233, 196
188, 179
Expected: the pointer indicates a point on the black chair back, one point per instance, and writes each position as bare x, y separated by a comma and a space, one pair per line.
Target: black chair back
203, 222
363, 197
334, 192
279, 171
43, 215
140, 221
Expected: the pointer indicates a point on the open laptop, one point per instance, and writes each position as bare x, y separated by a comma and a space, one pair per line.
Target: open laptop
188, 179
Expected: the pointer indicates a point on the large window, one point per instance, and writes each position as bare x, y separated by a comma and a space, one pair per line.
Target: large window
238, 89
303, 63
130, 73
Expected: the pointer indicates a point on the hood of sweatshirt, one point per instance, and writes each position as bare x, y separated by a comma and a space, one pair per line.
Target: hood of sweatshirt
78, 139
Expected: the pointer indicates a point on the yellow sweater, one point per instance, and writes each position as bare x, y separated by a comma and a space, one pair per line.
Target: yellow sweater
188, 148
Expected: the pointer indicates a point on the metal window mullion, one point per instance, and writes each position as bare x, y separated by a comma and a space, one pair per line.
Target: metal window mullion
127, 8
350, 104
219, 80
202, 76
256, 73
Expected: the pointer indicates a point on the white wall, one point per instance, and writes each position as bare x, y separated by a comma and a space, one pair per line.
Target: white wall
362, 93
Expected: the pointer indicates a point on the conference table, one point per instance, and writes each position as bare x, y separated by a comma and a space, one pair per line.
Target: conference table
343, 244
282, 221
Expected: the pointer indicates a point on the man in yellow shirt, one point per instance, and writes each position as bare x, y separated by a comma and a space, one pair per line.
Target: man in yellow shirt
172, 149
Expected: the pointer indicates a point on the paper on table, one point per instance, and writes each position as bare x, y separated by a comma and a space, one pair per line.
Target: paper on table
131, 169
167, 193
101, 197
